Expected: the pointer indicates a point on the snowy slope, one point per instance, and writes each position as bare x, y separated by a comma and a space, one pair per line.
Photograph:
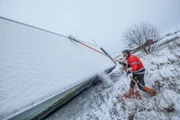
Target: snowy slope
104, 102
170, 34
171, 30
35, 65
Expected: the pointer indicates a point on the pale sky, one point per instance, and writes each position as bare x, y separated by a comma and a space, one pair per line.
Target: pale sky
101, 20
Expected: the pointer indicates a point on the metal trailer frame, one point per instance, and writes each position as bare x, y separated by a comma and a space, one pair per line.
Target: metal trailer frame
49, 106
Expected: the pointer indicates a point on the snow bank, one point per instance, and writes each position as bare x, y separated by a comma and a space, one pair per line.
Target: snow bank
35, 65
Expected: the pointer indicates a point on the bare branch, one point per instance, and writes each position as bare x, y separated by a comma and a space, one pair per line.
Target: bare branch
139, 34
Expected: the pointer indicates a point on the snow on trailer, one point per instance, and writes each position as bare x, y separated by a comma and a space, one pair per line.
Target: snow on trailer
37, 64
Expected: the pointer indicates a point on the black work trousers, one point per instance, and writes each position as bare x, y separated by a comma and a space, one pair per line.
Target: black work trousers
139, 78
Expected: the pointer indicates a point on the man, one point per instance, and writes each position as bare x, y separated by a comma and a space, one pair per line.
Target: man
138, 71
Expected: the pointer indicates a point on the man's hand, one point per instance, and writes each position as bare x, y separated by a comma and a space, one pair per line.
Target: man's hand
129, 75
122, 63
128, 71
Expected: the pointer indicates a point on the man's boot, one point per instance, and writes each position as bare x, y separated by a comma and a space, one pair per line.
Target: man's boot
129, 94
138, 96
150, 91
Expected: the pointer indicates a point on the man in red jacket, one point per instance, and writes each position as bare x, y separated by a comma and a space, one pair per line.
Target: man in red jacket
138, 70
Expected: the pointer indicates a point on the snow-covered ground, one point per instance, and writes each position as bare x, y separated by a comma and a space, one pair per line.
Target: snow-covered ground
171, 30
35, 65
104, 101
170, 34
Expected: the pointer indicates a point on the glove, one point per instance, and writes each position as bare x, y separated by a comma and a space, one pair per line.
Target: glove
128, 72
124, 64
129, 75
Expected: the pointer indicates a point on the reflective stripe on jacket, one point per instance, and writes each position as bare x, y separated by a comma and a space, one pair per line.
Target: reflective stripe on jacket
135, 63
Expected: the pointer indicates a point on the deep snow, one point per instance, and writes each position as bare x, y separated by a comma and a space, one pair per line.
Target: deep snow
104, 101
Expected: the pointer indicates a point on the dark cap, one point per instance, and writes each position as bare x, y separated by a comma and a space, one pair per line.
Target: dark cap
126, 51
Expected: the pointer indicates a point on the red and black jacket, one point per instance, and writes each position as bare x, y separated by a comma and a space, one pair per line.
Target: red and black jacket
135, 63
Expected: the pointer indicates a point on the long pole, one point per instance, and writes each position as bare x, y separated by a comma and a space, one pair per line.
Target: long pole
103, 53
